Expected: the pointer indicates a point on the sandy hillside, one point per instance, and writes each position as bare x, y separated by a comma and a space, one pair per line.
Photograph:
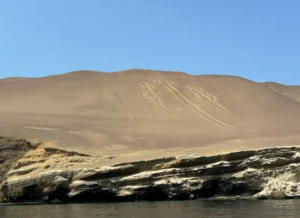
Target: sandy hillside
144, 113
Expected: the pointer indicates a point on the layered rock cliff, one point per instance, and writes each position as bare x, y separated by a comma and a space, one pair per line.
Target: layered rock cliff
44, 174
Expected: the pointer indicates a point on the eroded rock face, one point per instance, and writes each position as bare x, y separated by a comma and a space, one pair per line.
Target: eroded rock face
50, 184
271, 173
11, 149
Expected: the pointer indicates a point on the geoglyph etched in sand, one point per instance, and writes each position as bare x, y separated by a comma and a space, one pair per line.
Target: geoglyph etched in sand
199, 93
152, 93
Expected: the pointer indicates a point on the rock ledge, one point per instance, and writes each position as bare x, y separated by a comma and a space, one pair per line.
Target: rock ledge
271, 173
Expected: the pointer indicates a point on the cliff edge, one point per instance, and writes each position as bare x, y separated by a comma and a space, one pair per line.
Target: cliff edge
44, 174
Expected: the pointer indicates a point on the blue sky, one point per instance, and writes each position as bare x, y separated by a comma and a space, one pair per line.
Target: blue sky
256, 39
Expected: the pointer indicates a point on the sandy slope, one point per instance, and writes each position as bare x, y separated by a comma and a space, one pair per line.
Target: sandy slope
150, 113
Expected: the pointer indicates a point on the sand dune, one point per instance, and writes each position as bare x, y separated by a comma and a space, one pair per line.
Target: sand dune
146, 112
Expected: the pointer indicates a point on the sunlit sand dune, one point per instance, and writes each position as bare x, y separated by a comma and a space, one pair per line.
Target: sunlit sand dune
145, 113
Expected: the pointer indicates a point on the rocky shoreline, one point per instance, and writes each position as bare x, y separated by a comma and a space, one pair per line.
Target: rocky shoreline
270, 173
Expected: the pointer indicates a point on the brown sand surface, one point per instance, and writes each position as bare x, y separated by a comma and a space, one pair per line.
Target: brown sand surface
138, 114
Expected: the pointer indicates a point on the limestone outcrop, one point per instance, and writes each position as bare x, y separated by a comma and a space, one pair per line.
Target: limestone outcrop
271, 173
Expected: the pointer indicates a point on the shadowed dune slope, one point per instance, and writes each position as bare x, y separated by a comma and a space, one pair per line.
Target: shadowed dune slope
149, 113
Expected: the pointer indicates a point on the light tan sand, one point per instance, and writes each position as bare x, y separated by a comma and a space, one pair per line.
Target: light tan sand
142, 114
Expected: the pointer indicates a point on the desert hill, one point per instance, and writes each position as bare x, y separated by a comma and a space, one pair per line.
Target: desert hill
149, 113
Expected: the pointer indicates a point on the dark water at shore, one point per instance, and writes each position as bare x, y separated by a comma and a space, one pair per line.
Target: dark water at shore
178, 209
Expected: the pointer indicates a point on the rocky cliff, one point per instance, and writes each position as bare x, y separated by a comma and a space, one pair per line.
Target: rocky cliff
43, 174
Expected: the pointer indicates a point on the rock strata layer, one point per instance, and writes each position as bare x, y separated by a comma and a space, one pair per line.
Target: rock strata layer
271, 173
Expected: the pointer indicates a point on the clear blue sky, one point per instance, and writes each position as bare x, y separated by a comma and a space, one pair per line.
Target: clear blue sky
256, 39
